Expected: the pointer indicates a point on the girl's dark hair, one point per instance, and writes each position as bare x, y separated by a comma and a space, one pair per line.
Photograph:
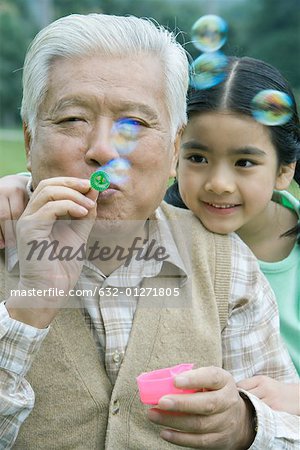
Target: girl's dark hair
245, 77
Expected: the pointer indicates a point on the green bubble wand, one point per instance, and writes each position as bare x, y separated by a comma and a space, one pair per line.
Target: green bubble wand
100, 180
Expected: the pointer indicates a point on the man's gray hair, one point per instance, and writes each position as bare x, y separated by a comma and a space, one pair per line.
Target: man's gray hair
81, 35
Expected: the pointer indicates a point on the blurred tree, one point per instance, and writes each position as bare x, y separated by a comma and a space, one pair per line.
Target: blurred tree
265, 29
42, 11
63, 8
15, 34
268, 30
276, 37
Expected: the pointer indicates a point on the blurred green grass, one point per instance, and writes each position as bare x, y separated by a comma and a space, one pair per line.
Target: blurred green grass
12, 152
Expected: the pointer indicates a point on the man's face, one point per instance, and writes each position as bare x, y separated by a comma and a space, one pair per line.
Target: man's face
73, 137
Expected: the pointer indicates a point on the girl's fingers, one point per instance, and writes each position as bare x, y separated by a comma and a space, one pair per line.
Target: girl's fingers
2, 242
5, 215
254, 385
248, 383
17, 205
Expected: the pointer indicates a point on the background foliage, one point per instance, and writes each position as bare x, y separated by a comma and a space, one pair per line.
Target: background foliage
265, 29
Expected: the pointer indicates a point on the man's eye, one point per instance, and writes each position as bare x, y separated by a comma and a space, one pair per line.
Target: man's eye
128, 128
71, 119
245, 163
129, 121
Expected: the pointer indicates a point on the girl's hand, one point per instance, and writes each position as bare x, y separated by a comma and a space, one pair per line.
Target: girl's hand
13, 200
277, 395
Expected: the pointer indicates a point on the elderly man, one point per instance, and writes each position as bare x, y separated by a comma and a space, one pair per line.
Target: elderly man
78, 358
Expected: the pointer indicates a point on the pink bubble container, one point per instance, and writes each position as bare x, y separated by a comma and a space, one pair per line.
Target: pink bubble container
154, 385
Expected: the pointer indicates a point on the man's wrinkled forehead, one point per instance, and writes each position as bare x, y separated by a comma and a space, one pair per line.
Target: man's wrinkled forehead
80, 85
91, 101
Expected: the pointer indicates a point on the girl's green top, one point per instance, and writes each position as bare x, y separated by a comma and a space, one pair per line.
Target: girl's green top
294, 189
284, 277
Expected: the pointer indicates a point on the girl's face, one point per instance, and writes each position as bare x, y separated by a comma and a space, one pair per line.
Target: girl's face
227, 171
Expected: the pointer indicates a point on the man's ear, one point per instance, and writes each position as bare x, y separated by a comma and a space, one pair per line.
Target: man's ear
27, 142
285, 176
177, 143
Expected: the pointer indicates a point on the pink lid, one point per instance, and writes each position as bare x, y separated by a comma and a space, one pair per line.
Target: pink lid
154, 385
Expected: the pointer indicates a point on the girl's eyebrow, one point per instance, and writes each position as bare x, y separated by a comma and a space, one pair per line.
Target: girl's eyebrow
196, 145
248, 151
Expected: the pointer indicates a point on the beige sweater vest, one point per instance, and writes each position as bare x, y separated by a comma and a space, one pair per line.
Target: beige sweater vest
76, 406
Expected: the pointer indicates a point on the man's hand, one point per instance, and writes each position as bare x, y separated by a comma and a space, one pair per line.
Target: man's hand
53, 199
279, 396
218, 418
13, 200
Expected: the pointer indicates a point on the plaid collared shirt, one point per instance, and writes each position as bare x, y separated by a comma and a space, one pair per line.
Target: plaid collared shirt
251, 335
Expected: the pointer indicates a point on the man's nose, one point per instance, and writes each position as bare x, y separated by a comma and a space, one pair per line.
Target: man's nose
100, 147
220, 181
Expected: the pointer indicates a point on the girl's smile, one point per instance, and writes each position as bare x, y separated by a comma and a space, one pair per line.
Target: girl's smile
221, 209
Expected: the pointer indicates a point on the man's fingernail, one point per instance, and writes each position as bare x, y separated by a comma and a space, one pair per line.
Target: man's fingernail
166, 403
181, 381
2, 245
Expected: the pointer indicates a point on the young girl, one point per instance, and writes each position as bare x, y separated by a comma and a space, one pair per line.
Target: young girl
232, 173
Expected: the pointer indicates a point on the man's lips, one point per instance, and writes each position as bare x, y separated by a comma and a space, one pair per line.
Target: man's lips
109, 192
113, 186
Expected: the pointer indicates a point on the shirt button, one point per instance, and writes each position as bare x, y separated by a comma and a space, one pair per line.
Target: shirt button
115, 407
117, 357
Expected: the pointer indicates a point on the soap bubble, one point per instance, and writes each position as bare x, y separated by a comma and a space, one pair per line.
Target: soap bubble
209, 33
208, 70
271, 107
117, 170
124, 135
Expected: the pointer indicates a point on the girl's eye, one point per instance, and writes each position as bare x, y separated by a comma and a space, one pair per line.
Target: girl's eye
245, 163
198, 159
